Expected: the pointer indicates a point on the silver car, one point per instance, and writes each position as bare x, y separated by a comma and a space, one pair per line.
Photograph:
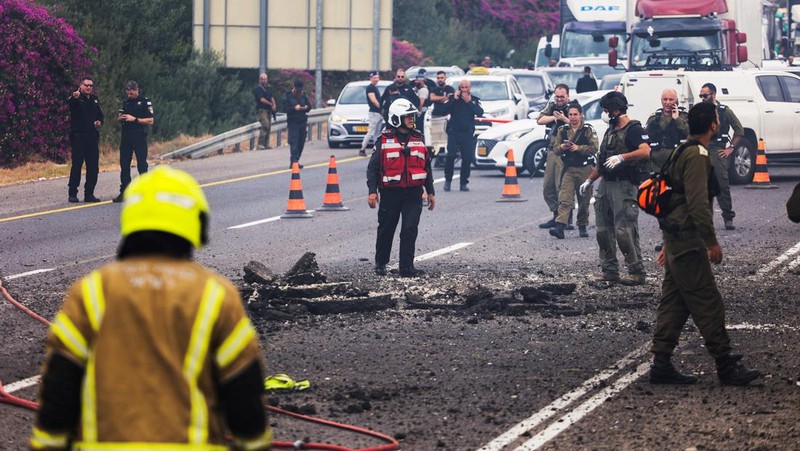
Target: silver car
348, 123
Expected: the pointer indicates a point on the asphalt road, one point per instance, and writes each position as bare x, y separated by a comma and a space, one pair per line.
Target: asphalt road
447, 381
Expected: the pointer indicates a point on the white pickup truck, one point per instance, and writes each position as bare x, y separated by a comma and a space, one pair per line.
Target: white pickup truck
766, 102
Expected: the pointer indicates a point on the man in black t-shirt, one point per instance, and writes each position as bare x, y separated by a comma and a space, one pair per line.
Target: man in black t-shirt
374, 117
438, 96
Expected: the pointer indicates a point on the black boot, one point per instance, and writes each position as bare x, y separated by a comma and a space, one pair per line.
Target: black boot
569, 225
583, 232
549, 224
662, 372
731, 371
558, 231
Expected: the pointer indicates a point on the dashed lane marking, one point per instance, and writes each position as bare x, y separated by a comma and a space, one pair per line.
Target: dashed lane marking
19, 385
29, 273
436, 253
255, 223
779, 261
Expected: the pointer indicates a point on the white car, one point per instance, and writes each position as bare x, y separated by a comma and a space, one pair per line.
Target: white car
348, 122
529, 140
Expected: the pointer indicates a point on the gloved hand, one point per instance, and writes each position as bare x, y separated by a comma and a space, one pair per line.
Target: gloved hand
585, 187
613, 161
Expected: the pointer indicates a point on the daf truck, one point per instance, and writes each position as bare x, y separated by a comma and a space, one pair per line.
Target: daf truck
586, 27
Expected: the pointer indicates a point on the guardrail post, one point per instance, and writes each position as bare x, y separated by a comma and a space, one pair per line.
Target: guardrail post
253, 143
279, 138
237, 147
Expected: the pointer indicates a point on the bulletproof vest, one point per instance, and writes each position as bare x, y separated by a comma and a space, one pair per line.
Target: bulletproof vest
668, 137
614, 144
722, 138
582, 137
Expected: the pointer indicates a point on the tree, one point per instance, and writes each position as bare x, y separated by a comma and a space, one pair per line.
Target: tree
42, 59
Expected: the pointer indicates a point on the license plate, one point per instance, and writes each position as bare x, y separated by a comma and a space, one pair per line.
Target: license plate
482, 151
361, 128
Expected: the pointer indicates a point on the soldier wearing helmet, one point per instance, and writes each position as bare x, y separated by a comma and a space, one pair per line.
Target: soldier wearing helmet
623, 152
153, 351
398, 171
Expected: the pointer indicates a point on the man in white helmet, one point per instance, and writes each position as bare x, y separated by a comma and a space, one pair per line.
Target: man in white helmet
398, 171
153, 351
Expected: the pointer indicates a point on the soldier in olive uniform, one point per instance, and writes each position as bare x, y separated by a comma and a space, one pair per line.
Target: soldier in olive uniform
554, 116
690, 244
576, 145
721, 148
667, 128
623, 152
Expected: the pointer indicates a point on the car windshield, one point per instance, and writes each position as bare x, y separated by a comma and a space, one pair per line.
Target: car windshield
532, 85
644, 46
609, 81
601, 70
487, 89
568, 78
355, 95
587, 43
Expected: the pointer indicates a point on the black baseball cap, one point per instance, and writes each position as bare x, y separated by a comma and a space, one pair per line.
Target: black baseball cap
373, 74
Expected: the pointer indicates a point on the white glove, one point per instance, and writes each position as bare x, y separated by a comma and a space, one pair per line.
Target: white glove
585, 187
613, 161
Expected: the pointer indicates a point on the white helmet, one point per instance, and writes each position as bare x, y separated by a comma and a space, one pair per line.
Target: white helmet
398, 109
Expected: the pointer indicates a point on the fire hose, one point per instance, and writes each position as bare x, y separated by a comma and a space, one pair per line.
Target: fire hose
390, 445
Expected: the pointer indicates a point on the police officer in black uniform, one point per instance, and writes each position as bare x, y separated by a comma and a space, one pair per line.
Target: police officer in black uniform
398, 170
86, 117
135, 116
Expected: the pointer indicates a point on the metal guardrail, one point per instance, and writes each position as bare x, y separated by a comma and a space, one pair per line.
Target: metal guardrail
234, 138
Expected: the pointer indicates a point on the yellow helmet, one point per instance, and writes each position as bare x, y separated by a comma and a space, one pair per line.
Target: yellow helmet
166, 200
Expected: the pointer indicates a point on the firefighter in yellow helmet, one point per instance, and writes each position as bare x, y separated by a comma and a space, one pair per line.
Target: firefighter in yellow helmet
153, 351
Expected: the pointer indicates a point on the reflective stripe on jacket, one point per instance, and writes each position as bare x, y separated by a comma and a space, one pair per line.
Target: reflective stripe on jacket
403, 165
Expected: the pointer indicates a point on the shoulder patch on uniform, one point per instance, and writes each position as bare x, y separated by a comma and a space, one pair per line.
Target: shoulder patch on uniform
702, 150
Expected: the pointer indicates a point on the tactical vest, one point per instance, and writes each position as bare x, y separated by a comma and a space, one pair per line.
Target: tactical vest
403, 163
614, 144
667, 138
582, 137
722, 138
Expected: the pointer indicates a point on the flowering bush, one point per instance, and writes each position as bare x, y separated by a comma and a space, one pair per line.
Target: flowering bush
406, 54
41, 60
521, 20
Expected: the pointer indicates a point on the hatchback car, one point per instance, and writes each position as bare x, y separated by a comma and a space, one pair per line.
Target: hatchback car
348, 122
567, 75
536, 85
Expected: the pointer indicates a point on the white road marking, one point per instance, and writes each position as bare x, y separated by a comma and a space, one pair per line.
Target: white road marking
550, 410
29, 273
584, 409
255, 223
778, 261
435, 253
19, 385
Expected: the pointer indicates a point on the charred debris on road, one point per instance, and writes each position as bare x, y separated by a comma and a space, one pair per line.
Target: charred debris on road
305, 290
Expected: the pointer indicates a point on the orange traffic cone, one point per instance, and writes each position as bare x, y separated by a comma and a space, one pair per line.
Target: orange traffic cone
761, 175
296, 207
511, 191
333, 198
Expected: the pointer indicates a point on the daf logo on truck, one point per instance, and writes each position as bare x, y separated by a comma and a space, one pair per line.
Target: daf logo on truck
600, 8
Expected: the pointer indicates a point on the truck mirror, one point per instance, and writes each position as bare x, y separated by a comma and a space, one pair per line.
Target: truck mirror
741, 53
612, 57
613, 41
741, 38
548, 50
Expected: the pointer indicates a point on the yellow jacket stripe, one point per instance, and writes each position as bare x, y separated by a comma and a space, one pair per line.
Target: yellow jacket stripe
89, 402
213, 294
242, 334
65, 330
43, 440
144, 446
93, 299
262, 442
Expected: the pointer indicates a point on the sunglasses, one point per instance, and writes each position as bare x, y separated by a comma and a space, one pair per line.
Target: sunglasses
400, 76
704, 96
88, 85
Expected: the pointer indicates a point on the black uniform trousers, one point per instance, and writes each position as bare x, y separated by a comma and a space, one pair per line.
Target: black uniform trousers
84, 149
396, 202
297, 139
463, 143
133, 141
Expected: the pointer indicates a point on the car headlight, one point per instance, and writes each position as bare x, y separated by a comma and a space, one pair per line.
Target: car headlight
498, 113
338, 119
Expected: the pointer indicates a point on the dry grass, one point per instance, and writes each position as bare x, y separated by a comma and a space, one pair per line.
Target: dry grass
109, 161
